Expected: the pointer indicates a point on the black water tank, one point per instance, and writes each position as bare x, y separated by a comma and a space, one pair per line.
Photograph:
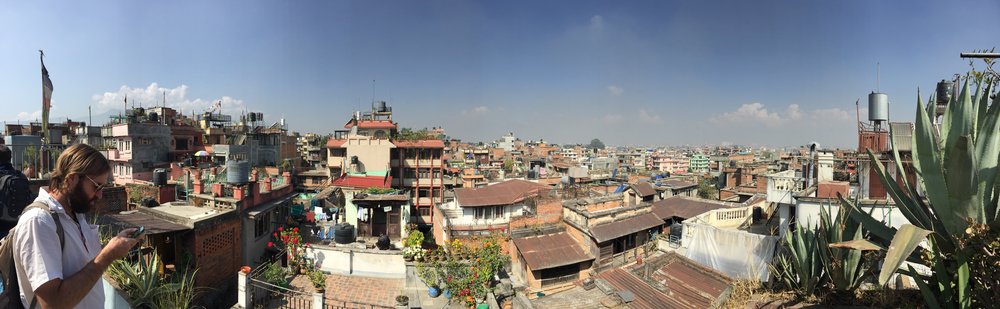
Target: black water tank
160, 177
343, 233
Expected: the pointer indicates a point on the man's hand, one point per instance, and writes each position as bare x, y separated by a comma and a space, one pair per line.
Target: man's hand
117, 248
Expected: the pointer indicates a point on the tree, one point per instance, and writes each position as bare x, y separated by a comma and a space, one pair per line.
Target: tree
707, 190
596, 144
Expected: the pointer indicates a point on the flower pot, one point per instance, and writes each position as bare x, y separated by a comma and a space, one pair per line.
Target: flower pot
408, 258
433, 292
302, 271
447, 294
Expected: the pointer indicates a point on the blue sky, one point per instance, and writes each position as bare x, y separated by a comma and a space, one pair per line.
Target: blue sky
630, 72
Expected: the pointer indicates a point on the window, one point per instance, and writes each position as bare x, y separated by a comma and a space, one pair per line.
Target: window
437, 173
424, 173
409, 173
424, 193
262, 225
144, 141
498, 212
424, 211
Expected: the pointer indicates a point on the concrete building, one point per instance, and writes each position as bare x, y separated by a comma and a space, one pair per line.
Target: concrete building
699, 163
479, 211
137, 147
366, 149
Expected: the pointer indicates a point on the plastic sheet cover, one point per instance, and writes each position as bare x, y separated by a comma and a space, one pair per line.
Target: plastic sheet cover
735, 253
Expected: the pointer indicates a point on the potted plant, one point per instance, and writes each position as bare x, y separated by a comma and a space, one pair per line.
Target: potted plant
430, 274
402, 302
407, 254
318, 279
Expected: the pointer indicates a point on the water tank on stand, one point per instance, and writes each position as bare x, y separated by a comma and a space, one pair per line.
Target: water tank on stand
942, 96
160, 177
237, 172
878, 107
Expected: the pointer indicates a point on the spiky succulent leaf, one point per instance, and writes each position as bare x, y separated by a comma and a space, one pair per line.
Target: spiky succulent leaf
902, 245
857, 244
963, 183
931, 170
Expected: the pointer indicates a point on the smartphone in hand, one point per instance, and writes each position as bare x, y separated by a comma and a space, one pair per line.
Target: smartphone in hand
139, 231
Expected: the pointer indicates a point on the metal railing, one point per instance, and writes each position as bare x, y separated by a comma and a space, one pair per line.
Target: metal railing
40, 158
266, 295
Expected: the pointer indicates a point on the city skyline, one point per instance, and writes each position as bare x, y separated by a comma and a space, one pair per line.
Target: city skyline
653, 73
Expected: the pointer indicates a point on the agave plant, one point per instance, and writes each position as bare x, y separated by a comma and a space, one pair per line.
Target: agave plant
800, 267
141, 280
957, 166
846, 268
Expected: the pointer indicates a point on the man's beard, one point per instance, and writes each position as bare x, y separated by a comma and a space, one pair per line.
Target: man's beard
78, 200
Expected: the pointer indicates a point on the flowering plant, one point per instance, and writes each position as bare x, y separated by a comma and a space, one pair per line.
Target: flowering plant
291, 241
471, 280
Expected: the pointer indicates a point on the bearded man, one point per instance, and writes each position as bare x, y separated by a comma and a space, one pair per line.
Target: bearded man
62, 271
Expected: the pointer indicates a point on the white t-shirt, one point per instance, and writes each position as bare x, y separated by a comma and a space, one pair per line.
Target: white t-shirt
38, 258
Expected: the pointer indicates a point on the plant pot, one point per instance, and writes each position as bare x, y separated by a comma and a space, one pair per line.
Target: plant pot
302, 271
408, 258
447, 294
433, 292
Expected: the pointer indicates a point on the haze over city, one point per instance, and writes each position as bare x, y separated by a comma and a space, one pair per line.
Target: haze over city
774, 73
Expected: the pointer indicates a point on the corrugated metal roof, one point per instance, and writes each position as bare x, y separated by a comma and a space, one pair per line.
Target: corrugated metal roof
504, 193
644, 189
683, 207
551, 250
153, 224
690, 283
685, 284
677, 184
645, 295
609, 231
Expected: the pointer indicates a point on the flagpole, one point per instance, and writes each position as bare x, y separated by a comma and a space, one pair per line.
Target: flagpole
46, 104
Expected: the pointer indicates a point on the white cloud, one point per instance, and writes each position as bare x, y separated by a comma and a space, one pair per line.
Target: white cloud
478, 110
646, 117
35, 115
831, 114
613, 118
615, 90
793, 114
597, 23
752, 112
154, 95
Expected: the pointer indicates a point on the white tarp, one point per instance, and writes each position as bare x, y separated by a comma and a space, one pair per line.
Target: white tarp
738, 254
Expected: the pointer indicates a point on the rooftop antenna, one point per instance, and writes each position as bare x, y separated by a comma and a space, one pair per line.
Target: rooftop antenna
878, 73
373, 94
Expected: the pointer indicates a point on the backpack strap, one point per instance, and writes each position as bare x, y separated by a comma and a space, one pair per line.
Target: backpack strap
59, 232
55, 217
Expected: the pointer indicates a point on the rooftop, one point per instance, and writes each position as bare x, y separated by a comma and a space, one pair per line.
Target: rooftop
684, 207
551, 250
504, 193
362, 182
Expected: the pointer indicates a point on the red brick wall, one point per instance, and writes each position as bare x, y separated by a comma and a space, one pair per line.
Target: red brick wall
547, 212
830, 189
438, 228
114, 199
217, 252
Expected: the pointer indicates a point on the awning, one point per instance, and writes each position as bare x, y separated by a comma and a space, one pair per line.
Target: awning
153, 224
609, 231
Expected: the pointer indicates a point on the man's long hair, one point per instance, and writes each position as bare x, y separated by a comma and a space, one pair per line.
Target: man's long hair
80, 159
